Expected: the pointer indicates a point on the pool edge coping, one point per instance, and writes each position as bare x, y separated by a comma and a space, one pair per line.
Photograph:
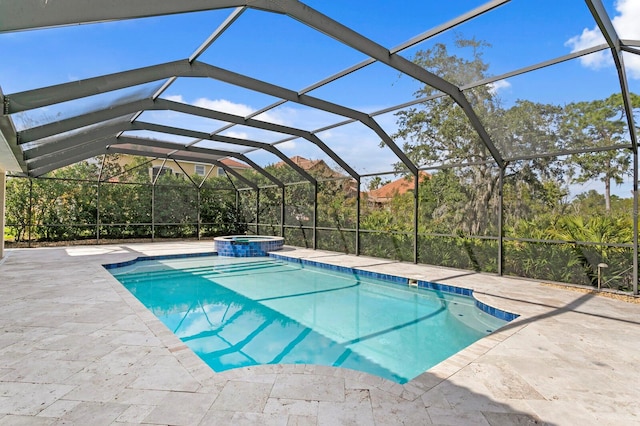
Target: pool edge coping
396, 279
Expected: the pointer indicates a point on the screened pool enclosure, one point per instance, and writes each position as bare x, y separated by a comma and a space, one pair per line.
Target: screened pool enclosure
490, 136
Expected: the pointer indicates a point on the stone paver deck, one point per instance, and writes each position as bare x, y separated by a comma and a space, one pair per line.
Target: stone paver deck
78, 348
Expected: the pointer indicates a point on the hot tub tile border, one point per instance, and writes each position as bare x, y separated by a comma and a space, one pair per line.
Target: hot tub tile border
226, 246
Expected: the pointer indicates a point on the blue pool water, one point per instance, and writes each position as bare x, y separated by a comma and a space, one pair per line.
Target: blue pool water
235, 312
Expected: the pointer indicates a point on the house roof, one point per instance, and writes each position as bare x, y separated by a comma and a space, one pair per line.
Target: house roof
317, 166
304, 163
397, 187
234, 164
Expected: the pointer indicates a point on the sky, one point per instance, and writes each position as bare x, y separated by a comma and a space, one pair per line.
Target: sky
284, 52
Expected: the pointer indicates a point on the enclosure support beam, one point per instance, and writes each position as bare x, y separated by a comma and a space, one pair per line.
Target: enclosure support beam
153, 200
605, 24
98, 212
185, 173
78, 156
104, 158
115, 148
258, 211
416, 187
199, 51
30, 223
153, 212
635, 222
611, 36
197, 195
315, 216
11, 152
260, 145
237, 200
358, 199
406, 45
59, 13
59, 93
229, 170
347, 36
500, 220
178, 148
3, 191
282, 213
199, 217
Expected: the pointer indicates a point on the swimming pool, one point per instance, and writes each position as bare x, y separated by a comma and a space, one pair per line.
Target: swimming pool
235, 312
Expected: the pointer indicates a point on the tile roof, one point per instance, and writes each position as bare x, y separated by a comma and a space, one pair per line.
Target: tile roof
318, 166
234, 164
398, 187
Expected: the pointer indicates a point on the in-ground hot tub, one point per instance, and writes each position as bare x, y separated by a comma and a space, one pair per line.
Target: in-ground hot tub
247, 245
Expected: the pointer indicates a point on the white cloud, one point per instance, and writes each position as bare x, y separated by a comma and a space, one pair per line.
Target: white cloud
237, 135
176, 98
287, 146
626, 25
229, 107
226, 106
271, 117
499, 85
223, 105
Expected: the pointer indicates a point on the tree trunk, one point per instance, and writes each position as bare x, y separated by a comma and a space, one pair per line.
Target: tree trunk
607, 195
484, 183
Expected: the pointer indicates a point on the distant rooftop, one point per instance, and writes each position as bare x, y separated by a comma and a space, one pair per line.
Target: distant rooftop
400, 186
234, 164
318, 167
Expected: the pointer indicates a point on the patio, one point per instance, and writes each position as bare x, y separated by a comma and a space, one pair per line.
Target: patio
78, 348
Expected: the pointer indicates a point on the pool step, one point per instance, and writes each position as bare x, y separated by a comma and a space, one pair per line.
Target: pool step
203, 271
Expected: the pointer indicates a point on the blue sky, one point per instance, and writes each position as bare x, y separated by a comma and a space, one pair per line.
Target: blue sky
281, 51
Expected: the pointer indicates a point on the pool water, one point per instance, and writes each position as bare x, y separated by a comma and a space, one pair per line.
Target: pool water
236, 312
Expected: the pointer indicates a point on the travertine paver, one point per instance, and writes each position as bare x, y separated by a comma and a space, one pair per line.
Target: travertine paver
78, 348
314, 388
29, 398
354, 410
93, 413
296, 407
181, 408
244, 396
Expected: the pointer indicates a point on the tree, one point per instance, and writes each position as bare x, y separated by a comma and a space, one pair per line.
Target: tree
588, 203
218, 212
18, 207
598, 124
439, 132
442, 201
376, 182
596, 229
533, 186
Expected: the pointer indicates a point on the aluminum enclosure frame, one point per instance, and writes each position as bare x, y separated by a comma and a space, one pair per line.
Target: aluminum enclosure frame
40, 149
